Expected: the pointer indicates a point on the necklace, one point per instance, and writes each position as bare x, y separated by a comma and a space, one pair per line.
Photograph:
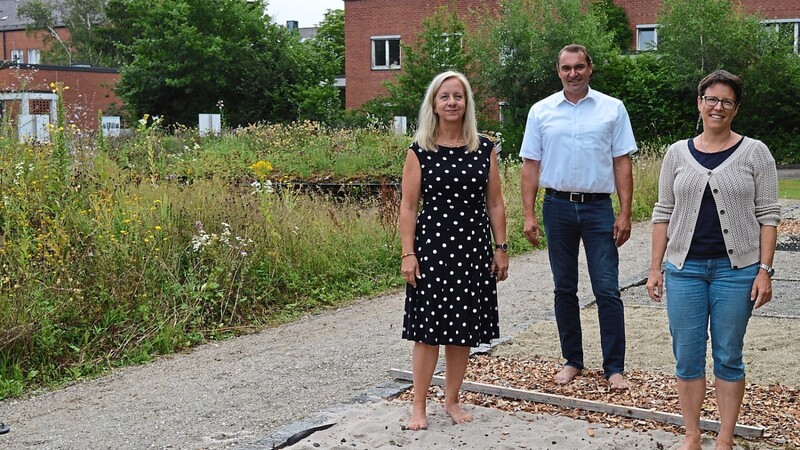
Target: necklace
730, 135
458, 141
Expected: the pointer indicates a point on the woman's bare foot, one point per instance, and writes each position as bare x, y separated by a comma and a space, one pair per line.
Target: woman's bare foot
617, 382
457, 413
723, 444
566, 374
693, 442
418, 420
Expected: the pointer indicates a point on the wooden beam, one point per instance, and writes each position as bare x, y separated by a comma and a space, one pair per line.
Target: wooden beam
588, 405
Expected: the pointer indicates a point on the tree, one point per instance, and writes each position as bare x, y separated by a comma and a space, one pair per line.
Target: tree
330, 34
700, 36
323, 57
188, 55
115, 37
616, 22
516, 50
439, 47
81, 18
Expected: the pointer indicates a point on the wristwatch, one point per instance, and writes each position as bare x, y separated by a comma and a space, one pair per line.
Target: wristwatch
503, 246
769, 269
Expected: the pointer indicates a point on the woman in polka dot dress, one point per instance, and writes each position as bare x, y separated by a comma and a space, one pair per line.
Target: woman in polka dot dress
451, 265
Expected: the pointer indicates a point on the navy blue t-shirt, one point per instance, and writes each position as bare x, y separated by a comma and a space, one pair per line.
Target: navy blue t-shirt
707, 241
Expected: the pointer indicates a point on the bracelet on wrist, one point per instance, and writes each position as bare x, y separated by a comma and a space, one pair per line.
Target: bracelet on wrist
407, 254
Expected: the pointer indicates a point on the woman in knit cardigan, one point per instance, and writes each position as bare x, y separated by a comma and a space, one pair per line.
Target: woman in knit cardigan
714, 228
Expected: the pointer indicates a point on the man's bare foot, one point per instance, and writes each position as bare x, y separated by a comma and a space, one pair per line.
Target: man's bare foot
418, 420
566, 374
457, 413
617, 382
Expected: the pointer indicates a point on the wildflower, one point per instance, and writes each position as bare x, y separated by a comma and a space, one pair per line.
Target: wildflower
261, 169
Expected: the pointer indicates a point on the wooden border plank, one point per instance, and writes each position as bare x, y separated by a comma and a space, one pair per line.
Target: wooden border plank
588, 405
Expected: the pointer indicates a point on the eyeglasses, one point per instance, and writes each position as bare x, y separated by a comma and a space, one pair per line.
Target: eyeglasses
712, 102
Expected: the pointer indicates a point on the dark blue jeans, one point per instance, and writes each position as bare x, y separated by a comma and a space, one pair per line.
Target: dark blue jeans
566, 224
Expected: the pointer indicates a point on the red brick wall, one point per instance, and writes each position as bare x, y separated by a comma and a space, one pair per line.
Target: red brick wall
647, 11
89, 91
19, 40
367, 18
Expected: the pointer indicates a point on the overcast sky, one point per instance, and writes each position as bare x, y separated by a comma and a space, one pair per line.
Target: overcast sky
308, 13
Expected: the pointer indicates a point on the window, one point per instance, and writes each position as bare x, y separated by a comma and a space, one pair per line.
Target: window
646, 37
17, 56
34, 57
788, 29
386, 52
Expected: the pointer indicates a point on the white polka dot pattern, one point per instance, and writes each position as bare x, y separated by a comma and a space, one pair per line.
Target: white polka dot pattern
455, 302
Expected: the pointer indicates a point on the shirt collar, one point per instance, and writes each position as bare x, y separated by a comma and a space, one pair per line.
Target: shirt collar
591, 94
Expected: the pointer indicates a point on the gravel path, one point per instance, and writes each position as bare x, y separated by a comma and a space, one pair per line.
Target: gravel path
251, 390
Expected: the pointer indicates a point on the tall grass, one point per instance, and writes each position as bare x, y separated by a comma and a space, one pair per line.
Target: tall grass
158, 241
117, 263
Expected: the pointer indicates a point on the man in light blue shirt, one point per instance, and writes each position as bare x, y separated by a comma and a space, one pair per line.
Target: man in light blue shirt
577, 146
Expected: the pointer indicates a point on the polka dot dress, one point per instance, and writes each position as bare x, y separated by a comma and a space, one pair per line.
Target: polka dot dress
455, 302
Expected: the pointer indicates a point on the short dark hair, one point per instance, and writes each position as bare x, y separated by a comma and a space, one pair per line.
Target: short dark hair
574, 48
722, 77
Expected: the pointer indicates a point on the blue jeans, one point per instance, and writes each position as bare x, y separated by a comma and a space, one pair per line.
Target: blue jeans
707, 294
566, 224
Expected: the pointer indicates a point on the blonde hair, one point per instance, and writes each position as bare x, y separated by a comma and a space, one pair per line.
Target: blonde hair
428, 123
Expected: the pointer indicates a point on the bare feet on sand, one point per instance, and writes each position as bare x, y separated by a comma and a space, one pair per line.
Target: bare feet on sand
723, 445
692, 442
457, 413
566, 374
418, 420
617, 382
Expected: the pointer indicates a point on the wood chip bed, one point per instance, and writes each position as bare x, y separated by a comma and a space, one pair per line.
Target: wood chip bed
775, 407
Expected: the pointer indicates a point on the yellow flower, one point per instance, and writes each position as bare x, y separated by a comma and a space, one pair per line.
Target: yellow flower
261, 169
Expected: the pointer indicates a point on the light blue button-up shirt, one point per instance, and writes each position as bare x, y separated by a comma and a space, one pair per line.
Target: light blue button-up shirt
576, 143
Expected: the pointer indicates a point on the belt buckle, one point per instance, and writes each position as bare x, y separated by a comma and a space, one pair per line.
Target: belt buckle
572, 197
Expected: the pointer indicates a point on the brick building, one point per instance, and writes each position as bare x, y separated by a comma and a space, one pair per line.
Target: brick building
24, 79
375, 28
91, 91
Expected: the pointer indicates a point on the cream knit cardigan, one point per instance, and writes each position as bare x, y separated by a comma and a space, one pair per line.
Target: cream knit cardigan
745, 188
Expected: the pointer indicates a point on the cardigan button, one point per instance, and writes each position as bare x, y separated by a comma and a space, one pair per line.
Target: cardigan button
730, 251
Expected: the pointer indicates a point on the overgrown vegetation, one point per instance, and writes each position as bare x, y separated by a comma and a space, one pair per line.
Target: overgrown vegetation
139, 252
